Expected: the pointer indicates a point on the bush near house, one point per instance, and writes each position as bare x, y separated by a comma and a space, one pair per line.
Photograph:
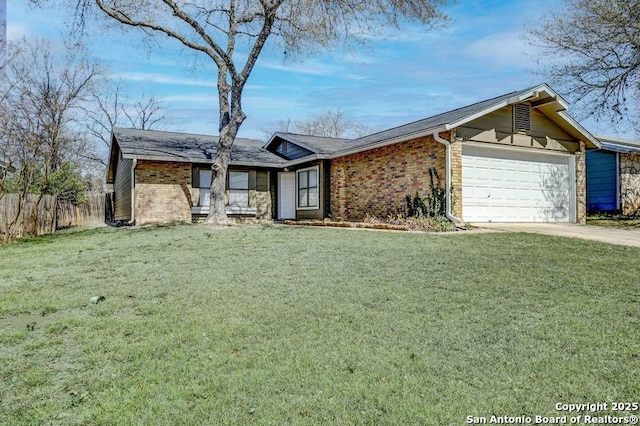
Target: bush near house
434, 204
423, 213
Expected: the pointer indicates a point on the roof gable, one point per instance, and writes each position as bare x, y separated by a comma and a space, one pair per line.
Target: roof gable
307, 144
287, 149
541, 97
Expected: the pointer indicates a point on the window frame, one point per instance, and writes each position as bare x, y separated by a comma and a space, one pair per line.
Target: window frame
308, 188
203, 191
237, 190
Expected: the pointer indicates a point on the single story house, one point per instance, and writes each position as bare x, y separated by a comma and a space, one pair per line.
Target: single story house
613, 177
513, 158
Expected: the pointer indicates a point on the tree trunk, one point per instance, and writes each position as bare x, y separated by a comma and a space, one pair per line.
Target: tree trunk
217, 209
231, 117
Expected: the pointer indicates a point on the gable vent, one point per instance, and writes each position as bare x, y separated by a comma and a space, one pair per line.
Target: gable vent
522, 118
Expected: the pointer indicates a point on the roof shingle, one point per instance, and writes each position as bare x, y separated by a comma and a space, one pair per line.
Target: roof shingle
171, 146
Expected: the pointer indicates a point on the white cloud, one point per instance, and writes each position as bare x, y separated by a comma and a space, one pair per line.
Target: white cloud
270, 105
192, 99
502, 49
315, 68
160, 79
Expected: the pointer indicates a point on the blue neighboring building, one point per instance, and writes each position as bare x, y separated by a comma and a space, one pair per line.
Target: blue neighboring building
603, 174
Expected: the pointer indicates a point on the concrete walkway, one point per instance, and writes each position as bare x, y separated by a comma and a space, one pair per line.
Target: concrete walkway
625, 237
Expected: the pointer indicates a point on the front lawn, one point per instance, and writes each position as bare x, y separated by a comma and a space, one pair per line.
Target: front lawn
280, 325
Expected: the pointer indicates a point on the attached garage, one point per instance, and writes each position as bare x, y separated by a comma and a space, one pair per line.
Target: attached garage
506, 184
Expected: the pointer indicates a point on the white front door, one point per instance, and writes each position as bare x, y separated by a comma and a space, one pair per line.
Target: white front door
512, 185
286, 195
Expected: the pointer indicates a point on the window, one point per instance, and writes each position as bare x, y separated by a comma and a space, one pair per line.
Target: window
238, 189
308, 188
204, 183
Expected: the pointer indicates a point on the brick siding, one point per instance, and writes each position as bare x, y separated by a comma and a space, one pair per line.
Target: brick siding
261, 201
163, 192
456, 177
581, 185
630, 183
376, 181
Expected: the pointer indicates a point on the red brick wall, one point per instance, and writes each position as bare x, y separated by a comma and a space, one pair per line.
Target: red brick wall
376, 181
163, 192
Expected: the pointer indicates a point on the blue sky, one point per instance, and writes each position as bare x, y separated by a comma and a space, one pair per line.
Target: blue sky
400, 77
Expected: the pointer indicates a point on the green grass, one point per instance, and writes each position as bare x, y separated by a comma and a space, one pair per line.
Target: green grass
614, 220
279, 325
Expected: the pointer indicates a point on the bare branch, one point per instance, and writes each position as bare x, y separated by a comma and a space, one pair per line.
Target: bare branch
330, 124
40, 112
591, 50
120, 16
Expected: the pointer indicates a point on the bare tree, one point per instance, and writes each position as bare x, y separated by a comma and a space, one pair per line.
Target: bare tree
233, 34
594, 52
43, 97
331, 124
147, 113
111, 107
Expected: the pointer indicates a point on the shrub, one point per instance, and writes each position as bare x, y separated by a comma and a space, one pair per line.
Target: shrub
422, 223
67, 184
433, 205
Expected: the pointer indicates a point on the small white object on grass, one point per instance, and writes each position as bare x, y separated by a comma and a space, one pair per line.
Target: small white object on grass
96, 299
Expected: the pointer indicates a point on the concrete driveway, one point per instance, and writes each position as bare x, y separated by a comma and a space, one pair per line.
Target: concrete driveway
625, 237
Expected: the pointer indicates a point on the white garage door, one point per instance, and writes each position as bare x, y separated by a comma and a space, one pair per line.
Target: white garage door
514, 185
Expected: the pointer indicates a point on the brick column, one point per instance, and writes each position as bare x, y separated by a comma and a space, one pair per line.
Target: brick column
456, 176
581, 185
630, 183
337, 201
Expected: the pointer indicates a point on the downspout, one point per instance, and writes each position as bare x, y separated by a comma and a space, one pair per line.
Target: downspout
448, 177
133, 192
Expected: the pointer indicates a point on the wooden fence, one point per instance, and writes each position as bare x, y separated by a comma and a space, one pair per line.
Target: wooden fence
44, 214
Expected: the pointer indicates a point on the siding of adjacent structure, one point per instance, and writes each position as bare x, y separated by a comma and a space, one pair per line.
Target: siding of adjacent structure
122, 190
630, 183
602, 181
